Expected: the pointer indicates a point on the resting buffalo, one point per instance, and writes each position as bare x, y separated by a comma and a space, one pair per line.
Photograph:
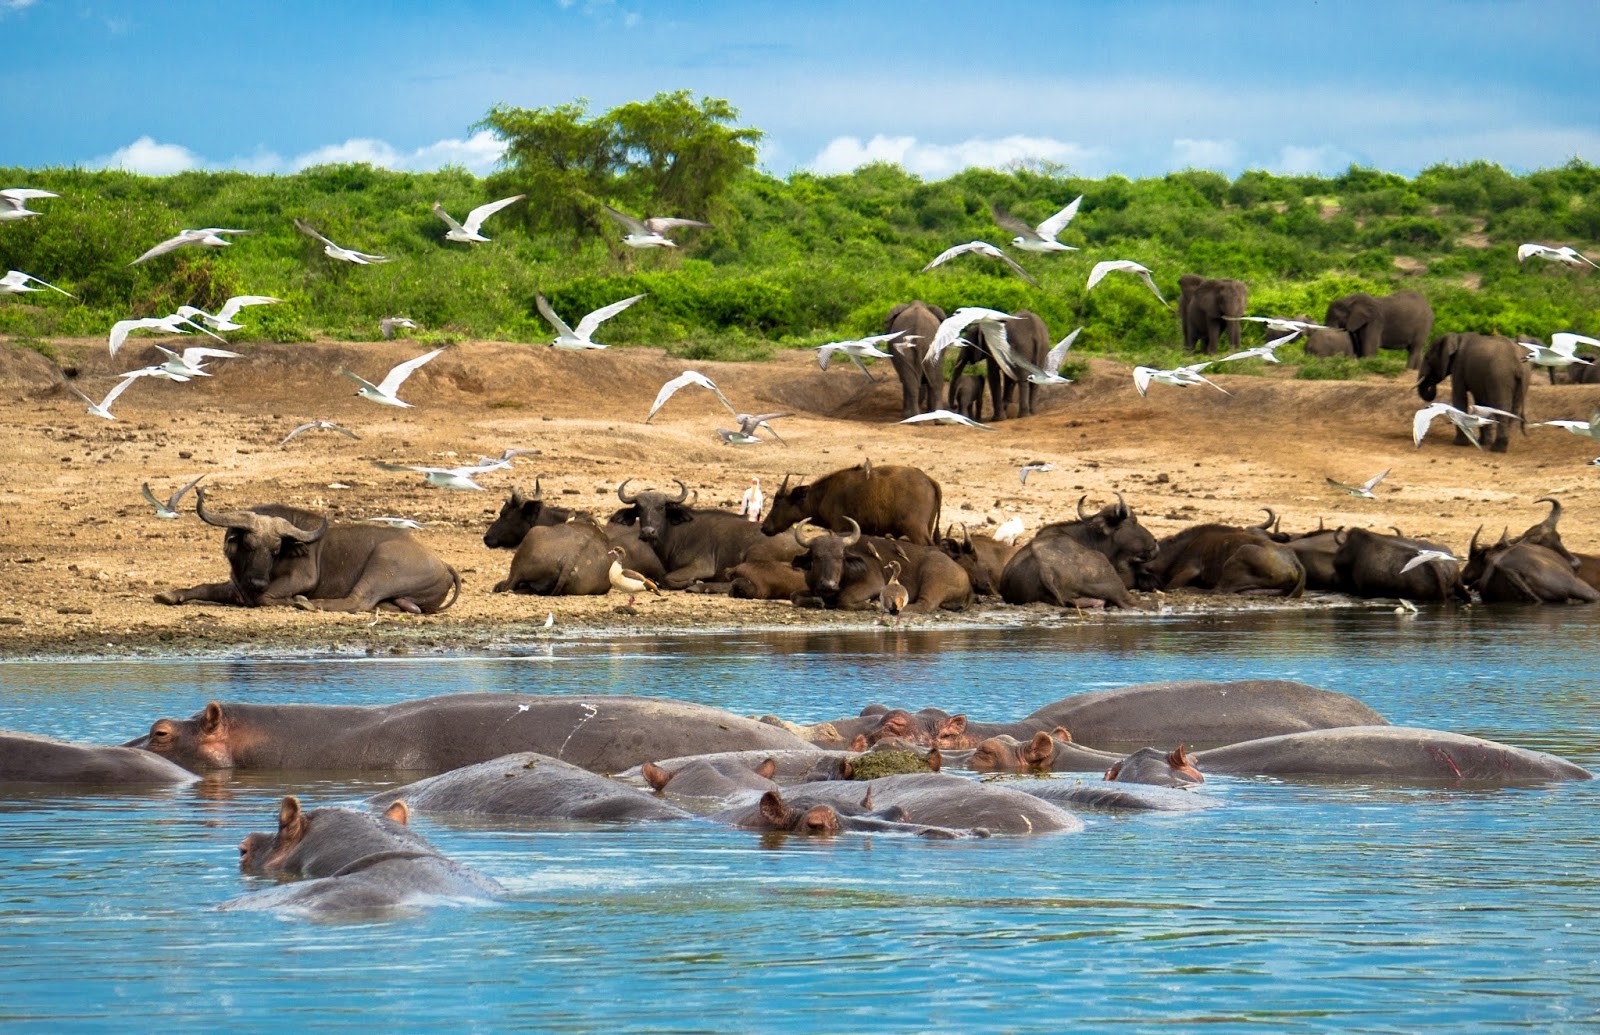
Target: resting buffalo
691, 544
284, 555
1369, 565
520, 513
1227, 559
887, 501
572, 559
982, 557
1523, 572
847, 572
1092, 561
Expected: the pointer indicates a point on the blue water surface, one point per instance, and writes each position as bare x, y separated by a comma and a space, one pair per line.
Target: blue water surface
1293, 907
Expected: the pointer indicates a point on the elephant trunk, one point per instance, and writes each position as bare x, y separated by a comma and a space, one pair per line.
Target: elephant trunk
1427, 389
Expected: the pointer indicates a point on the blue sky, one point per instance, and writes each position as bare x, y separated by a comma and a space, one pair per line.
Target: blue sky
1137, 87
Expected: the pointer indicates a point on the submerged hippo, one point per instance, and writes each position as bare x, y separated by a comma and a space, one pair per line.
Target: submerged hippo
714, 776
25, 758
1043, 752
1152, 766
1110, 796
1395, 754
530, 786
942, 800
437, 734
807, 812
357, 864
1200, 712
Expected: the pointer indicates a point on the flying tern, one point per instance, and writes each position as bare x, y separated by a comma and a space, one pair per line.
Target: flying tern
210, 237
446, 477
394, 522
1178, 377
1561, 352
745, 435
1050, 373
1041, 238
383, 392
582, 338
1364, 490
103, 407
466, 231
692, 377
15, 282
187, 364
1467, 423
1589, 428
1426, 556
319, 425
651, 232
389, 323
982, 248
1268, 352
169, 323
334, 251
1274, 323
1564, 254
945, 417
858, 349
223, 320
169, 509
14, 202
1035, 467
992, 322
1124, 266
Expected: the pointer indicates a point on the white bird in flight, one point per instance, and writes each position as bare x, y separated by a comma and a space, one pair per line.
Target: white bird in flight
1050, 373
457, 477
1041, 238
389, 323
582, 338
691, 377
1364, 490
383, 392
103, 407
1178, 377
187, 364
748, 424
1124, 266
169, 323
466, 231
334, 251
651, 232
1268, 352
1468, 423
210, 237
319, 425
1561, 352
945, 417
394, 522
168, 510
1426, 556
15, 282
223, 320
992, 322
1589, 428
14, 202
1565, 254
1034, 467
1275, 323
982, 248
858, 349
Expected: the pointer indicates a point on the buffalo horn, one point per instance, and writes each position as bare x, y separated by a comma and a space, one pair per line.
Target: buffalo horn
1472, 547
622, 492
516, 496
804, 531
1081, 515
855, 533
1122, 508
289, 530
1555, 511
242, 519
683, 492
538, 490
1266, 526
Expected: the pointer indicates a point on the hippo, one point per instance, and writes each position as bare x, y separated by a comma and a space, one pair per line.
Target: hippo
26, 758
359, 864
1043, 752
437, 734
1149, 765
943, 800
1391, 754
1110, 796
529, 785
805, 812
1200, 713
715, 776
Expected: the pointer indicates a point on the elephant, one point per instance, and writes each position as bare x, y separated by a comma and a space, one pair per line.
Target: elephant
1208, 308
966, 395
1402, 320
1027, 337
1330, 341
921, 384
1484, 369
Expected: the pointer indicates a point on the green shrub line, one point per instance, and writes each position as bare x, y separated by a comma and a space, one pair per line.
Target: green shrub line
792, 263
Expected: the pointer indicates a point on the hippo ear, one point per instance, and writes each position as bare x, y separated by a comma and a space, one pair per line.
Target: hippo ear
655, 776
1177, 759
1061, 734
211, 718
934, 759
954, 726
1114, 771
1041, 750
768, 769
291, 822
847, 768
859, 744
866, 802
399, 813
774, 811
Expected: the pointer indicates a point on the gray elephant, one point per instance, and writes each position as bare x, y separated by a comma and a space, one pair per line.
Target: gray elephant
1402, 320
1330, 341
1208, 308
921, 385
1027, 337
966, 395
1484, 369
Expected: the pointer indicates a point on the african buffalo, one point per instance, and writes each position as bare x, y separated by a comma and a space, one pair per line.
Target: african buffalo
982, 557
284, 555
765, 580
1113, 531
570, 559
1226, 559
691, 544
847, 572
1523, 572
520, 513
1368, 564
1092, 561
887, 501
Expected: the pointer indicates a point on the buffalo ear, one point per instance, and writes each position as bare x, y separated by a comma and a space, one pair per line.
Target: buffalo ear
531, 508
655, 776
798, 493
292, 822
774, 811
679, 514
399, 813
768, 769
211, 718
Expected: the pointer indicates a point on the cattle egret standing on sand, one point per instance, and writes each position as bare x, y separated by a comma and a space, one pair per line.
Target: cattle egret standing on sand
383, 392
751, 502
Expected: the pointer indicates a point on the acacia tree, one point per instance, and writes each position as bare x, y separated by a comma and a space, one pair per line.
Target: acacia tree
669, 155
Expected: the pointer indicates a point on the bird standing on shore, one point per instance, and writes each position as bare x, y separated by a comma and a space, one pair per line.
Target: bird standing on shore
751, 502
626, 579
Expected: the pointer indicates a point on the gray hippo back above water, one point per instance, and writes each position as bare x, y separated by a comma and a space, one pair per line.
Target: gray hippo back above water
530, 786
26, 758
1391, 754
1200, 713
437, 734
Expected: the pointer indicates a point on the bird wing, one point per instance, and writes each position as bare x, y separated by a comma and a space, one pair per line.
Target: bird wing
1006, 221
116, 390
1141, 378
306, 229
391, 384
449, 220
231, 307
166, 246
1478, 410
407, 467
307, 426
172, 501
1567, 342
191, 356
659, 224
550, 315
630, 224
591, 323
1102, 268
1527, 250
954, 250
1340, 485
26, 193
180, 318
825, 353
1150, 282
1246, 354
1058, 222
151, 498
122, 328
1201, 378
688, 377
358, 379
1015, 265
1058, 354
1372, 483
476, 217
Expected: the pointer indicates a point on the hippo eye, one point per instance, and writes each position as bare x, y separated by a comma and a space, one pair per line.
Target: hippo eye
160, 734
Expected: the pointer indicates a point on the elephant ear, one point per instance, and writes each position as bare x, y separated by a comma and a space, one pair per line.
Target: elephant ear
888, 321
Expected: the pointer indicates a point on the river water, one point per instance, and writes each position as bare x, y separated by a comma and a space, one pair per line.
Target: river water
1291, 907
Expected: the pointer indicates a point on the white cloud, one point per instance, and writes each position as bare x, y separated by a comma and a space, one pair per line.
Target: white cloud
937, 161
148, 158
1296, 160
479, 153
1204, 154
7, 6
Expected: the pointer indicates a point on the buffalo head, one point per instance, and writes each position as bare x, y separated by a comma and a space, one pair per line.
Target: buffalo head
520, 513
652, 511
827, 562
1114, 531
788, 506
255, 542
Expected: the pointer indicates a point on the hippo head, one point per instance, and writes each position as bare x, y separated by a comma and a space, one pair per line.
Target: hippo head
818, 819
202, 742
929, 728
1007, 754
275, 853
1149, 765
